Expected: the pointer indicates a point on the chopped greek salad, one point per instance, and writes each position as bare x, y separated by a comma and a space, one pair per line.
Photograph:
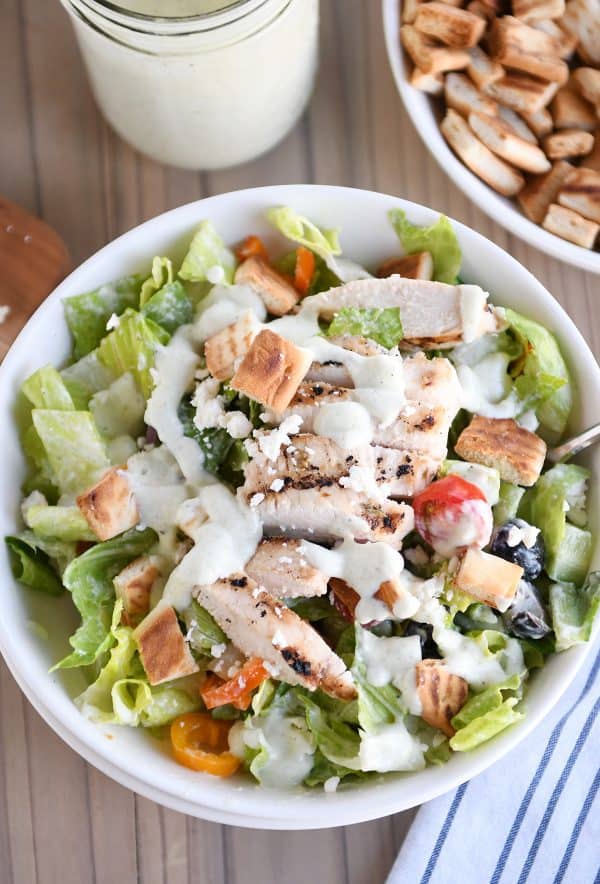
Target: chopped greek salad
302, 506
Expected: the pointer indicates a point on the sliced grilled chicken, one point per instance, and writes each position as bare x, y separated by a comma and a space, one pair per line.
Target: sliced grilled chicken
279, 567
335, 372
431, 312
260, 627
422, 428
327, 514
432, 382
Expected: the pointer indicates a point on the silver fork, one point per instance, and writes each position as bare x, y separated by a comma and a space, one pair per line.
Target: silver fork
573, 446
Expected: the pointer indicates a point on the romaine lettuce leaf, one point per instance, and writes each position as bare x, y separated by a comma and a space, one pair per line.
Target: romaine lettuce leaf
119, 410
574, 611
88, 314
170, 307
58, 522
160, 275
224, 456
439, 239
73, 446
32, 567
545, 367
85, 377
89, 578
486, 714
302, 231
207, 250
46, 389
377, 706
381, 324
131, 347
337, 741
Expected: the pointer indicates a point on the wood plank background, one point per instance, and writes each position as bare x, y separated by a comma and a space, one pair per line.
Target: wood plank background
61, 820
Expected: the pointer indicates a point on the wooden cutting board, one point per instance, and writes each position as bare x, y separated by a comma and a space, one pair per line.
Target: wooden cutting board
33, 260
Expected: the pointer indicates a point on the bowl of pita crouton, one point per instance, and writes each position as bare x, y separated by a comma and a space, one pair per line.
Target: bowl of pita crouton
507, 100
283, 544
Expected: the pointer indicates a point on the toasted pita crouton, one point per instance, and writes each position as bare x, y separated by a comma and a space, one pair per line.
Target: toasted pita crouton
133, 586
482, 69
587, 80
441, 693
518, 46
542, 190
163, 650
521, 92
409, 11
517, 453
417, 266
278, 294
230, 344
570, 111
566, 42
464, 97
478, 157
581, 192
571, 226
517, 124
582, 18
271, 370
430, 56
454, 27
433, 84
481, 9
109, 506
540, 122
502, 141
536, 10
568, 143
488, 578
592, 160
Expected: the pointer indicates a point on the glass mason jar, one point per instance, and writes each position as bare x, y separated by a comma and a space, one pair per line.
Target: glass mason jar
204, 84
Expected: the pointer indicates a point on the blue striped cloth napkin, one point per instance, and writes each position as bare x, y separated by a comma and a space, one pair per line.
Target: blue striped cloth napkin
534, 816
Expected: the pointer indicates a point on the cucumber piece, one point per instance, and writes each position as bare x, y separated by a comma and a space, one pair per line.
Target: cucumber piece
508, 503
570, 562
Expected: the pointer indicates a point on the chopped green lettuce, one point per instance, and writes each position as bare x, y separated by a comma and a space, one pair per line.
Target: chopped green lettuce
85, 377
203, 632
381, 324
207, 250
58, 522
131, 347
543, 368
337, 741
32, 566
88, 314
89, 578
73, 446
160, 275
299, 229
574, 611
439, 239
170, 307
509, 498
119, 410
224, 456
46, 389
486, 714
377, 706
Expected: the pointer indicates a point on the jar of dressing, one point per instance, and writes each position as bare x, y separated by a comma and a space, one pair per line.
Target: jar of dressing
200, 84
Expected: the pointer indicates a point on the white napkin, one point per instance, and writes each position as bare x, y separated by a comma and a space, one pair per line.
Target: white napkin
532, 817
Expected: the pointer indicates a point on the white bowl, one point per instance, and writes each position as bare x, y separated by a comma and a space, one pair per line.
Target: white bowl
426, 119
130, 756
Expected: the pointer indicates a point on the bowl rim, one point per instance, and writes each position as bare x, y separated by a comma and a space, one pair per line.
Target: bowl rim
500, 209
350, 806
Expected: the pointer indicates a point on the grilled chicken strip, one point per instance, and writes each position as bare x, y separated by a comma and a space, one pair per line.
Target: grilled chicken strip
336, 373
434, 314
279, 567
261, 627
318, 462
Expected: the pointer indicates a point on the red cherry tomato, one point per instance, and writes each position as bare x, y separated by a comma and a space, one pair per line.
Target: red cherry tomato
452, 514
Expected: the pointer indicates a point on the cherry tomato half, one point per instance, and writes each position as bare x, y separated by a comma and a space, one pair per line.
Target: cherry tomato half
452, 514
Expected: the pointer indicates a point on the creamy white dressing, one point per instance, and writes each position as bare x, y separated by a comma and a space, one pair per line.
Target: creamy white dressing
224, 305
473, 301
224, 540
391, 748
287, 744
472, 527
347, 423
487, 389
392, 660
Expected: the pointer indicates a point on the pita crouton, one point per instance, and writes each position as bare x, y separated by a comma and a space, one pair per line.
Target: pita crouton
488, 578
454, 27
271, 370
582, 18
109, 506
587, 80
517, 453
536, 10
433, 84
566, 43
571, 226
494, 171
518, 46
482, 70
592, 160
521, 92
464, 97
477, 7
431, 57
570, 111
417, 266
539, 192
133, 586
501, 140
278, 294
581, 193
230, 344
163, 650
441, 693
540, 122
516, 123
409, 11
568, 143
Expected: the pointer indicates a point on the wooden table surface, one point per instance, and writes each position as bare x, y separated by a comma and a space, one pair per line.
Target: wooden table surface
60, 819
